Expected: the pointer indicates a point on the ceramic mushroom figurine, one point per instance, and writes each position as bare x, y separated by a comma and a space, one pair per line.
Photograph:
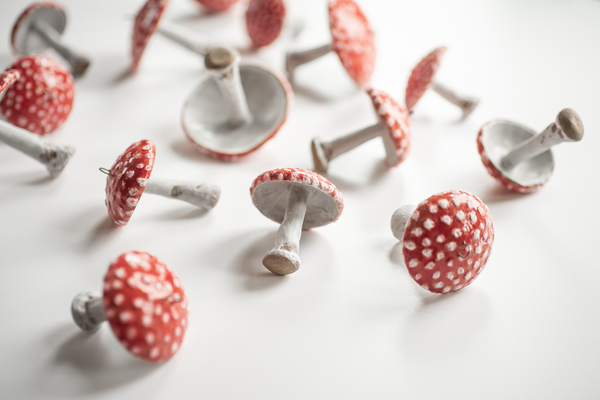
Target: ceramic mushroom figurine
236, 107
129, 178
54, 157
40, 26
393, 127
144, 303
264, 21
217, 5
518, 157
297, 199
422, 78
446, 240
352, 40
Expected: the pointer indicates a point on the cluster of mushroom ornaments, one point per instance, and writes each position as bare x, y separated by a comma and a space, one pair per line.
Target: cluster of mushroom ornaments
234, 110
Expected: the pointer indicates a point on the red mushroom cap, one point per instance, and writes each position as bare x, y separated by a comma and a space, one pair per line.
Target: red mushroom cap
42, 98
146, 21
353, 40
447, 241
127, 180
396, 120
421, 77
146, 306
7, 78
217, 5
264, 21
46, 7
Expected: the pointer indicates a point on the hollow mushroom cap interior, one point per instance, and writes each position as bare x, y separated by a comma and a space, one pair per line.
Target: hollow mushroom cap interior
22, 40
496, 139
270, 192
396, 121
145, 305
421, 77
146, 22
447, 241
352, 40
127, 180
205, 114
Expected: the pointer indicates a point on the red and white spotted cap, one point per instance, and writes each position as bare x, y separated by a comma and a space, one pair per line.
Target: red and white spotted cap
146, 21
42, 98
353, 40
21, 39
127, 180
447, 241
396, 120
270, 191
217, 5
146, 306
421, 77
7, 78
264, 21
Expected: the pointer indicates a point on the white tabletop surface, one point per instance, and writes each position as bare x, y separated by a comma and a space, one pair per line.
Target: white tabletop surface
351, 323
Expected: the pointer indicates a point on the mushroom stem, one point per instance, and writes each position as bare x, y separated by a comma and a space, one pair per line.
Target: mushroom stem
54, 157
567, 128
297, 58
86, 309
203, 195
283, 259
188, 38
323, 152
47, 33
400, 219
223, 64
467, 104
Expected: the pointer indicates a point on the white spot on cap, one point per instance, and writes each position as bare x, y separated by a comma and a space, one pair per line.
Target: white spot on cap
446, 289
460, 215
117, 284
468, 276
147, 320
154, 352
443, 203
446, 219
450, 263
131, 333
451, 246
440, 239
132, 201
125, 316
430, 265
119, 299
439, 285
436, 274
473, 217
178, 331
450, 275
476, 234
142, 182
439, 255
426, 242
477, 249
138, 303
460, 270
428, 224
457, 287
427, 253
418, 276
166, 317
456, 232
413, 263
417, 232
433, 209
174, 347
410, 245
149, 338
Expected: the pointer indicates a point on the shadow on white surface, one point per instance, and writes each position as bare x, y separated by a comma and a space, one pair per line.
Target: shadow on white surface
378, 170
101, 232
184, 147
497, 193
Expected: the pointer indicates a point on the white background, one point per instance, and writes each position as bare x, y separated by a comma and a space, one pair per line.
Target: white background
351, 323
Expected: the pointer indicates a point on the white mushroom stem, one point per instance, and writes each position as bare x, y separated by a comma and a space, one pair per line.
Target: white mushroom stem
467, 104
46, 32
54, 157
567, 128
188, 38
295, 59
87, 311
400, 219
283, 259
223, 64
203, 195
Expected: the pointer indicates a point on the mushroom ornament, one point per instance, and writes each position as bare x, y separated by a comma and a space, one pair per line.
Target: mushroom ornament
40, 26
352, 40
422, 78
297, 199
54, 157
446, 240
264, 21
519, 158
236, 107
393, 127
129, 178
144, 303
217, 5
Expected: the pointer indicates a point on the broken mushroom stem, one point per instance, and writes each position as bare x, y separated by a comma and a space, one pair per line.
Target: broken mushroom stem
400, 219
223, 64
283, 259
54, 157
568, 127
87, 311
466, 103
188, 38
297, 58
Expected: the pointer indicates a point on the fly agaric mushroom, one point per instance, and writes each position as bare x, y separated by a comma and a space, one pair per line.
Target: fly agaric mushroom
217, 5
518, 157
446, 240
352, 40
236, 107
40, 26
422, 78
144, 303
54, 157
129, 178
264, 21
393, 127
42, 98
297, 199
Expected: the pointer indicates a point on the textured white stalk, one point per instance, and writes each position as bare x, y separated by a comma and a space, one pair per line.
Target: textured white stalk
295, 59
87, 311
203, 195
400, 219
467, 104
188, 38
78, 62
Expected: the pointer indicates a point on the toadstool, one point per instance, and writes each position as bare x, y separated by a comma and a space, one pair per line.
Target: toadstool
393, 127
236, 107
352, 40
129, 178
297, 199
40, 26
446, 240
144, 303
264, 21
217, 5
518, 157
